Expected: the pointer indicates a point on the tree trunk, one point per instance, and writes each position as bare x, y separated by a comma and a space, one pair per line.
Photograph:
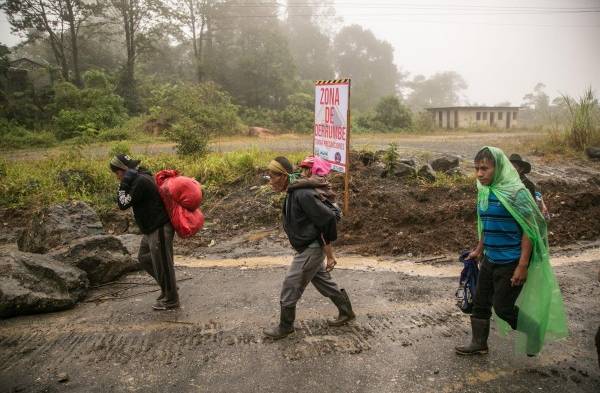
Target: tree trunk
74, 45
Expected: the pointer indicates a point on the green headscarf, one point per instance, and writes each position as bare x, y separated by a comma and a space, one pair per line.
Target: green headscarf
541, 310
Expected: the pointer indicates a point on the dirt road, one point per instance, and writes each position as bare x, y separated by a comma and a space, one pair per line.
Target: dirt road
465, 144
402, 339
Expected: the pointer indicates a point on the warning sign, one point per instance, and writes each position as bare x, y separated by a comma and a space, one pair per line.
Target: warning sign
331, 131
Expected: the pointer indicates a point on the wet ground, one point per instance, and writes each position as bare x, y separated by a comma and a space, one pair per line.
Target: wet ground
402, 340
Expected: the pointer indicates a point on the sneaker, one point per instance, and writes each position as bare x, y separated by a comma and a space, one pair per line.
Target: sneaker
161, 306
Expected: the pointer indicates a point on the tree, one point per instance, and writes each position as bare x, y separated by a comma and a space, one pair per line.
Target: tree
390, 112
308, 43
441, 89
58, 21
136, 18
537, 104
369, 62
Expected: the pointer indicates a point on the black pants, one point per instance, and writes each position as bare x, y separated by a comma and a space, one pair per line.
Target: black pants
494, 289
156, 257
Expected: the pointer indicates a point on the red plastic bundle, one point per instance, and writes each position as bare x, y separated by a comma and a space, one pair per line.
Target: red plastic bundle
182, 197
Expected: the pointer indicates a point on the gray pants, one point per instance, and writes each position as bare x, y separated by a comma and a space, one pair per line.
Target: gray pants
306, 267
156, 257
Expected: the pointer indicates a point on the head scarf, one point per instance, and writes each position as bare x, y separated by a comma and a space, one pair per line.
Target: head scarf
275, 166
541, 309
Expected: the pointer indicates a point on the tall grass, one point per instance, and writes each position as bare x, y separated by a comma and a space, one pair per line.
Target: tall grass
30, 184
584, 120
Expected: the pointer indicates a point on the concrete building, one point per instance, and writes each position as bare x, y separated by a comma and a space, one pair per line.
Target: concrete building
475, 116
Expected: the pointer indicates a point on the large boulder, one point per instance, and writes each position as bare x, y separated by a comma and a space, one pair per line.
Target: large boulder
444, 163
103, 257
426, 172
58, 225
131, 242
34, 283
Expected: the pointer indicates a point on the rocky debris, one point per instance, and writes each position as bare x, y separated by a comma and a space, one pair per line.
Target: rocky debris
131, 242
402, 170
593, 153
444, 163
427, 172
408, 161
455, 172
103, 257
368, 158
34, 283
58, 225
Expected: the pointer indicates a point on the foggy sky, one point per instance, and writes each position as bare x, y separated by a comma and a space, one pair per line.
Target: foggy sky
501, 52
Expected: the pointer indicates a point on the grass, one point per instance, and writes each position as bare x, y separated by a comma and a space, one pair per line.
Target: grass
72, 175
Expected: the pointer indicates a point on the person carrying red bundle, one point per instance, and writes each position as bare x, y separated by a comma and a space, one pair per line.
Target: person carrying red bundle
138, 190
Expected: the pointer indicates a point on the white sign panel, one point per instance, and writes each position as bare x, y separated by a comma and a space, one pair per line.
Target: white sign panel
331, 122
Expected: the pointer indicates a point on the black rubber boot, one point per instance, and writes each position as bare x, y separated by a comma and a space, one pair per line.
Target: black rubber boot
286, 324
345, 310
478, 345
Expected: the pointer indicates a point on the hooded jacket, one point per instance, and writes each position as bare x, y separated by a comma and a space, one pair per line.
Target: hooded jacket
306, 219
139, 191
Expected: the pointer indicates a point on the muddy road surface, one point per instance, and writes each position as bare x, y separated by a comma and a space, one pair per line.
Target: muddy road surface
402, 339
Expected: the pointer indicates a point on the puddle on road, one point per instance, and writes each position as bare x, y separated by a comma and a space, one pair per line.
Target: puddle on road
442, 268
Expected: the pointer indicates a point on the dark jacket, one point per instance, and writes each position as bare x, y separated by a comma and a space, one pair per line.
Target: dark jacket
306, 219
529, 185
139, 191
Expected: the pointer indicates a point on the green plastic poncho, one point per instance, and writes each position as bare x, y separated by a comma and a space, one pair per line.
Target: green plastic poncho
541, 310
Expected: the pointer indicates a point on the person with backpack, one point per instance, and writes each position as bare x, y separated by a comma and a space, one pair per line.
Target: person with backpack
138, 190
515, 276
523, 168
311, 227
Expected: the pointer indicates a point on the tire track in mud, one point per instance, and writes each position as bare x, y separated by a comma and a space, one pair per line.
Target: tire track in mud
166, 343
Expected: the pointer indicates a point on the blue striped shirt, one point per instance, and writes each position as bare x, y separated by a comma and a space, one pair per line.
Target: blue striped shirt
501, 233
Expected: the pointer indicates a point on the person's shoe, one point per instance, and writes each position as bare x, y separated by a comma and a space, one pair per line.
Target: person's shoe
162, 305
161, 297
478, 345
286, 324
344, 308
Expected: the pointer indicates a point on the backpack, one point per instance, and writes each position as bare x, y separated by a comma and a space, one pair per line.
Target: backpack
467, 283
182, 197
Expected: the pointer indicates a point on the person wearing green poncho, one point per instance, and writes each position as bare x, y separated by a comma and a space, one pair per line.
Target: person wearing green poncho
515, 278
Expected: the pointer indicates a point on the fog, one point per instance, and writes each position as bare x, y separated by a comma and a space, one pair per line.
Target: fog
501, 48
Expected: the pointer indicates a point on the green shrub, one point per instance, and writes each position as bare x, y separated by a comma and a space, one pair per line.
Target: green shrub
204, 106
260, 117
119, 148
15, 136
298, 115
94, 107
389, 115
390, 157
190, 138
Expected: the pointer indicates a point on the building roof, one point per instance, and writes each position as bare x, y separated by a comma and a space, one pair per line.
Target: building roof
20, 61
474, 108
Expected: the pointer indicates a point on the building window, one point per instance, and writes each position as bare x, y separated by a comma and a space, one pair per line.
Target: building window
440, 119
484, 115
500, 115
478, 116
514, 115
